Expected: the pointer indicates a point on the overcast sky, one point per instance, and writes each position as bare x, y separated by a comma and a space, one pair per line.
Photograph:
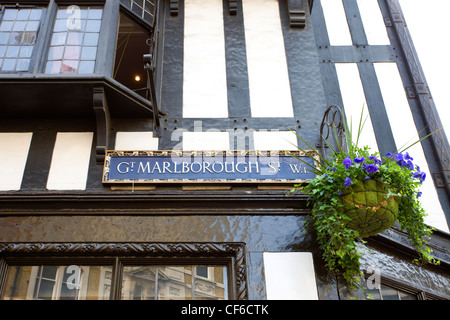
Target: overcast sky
428, 24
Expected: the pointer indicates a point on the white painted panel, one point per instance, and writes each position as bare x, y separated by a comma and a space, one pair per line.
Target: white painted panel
336, 22
354, 102
70, 161
274, 140
424, 23
136, 141
270, 92
373, 22
405, 133
290, 276
14, 148
198, 141
204, 70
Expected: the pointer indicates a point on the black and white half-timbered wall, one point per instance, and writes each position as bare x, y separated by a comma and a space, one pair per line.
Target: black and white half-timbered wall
85, 83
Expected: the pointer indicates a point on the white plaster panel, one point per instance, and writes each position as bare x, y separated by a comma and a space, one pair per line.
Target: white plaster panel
354, 102
139, 141
14, 148
270, 92
70, 161
290, 276
274, 140
197, 141
373, 22
204, 70
336, 23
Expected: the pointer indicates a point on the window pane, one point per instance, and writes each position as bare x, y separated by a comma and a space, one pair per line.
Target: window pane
406, 296
58, 283
78, 44
9, 64
93, 25
13, 51
59, 38
72, 52
74, 38
90, 39
36, 14
32, 26
389, 293
23, 64
19, 31
138, 283
53, 67
174, 283
86, 67
23, 14
89, 53
19, 26
10, 14
56, 53
69, 66
4, 37
6, 25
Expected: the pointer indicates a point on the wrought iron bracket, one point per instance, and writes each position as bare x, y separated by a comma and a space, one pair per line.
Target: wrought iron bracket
332, 129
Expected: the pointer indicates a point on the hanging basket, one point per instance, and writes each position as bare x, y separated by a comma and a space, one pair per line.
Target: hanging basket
368, 207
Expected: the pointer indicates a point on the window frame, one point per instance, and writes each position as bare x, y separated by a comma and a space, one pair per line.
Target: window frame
406, 288
40, 33
118, 255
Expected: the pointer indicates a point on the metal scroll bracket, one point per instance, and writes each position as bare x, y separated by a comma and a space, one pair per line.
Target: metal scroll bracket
332, 129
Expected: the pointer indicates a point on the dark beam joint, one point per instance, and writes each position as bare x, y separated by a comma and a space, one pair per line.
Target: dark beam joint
232, 7
297, 13
174, 7
103, 119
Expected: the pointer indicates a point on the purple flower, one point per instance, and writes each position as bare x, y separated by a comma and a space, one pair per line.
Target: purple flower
388, 155
402, 163
359, 159
419, 175
410, 164
423, 175
407, 156
419, 194
371, 168
398, 157
347, 162
367, 178
347, 182
377, 161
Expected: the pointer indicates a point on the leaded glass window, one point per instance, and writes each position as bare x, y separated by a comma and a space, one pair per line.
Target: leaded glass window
19, 28
73, 46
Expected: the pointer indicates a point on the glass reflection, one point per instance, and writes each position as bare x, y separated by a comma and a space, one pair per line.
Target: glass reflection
58, 283
73, 47
174, 283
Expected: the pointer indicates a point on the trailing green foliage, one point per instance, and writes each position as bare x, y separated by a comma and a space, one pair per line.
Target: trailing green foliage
334, 174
